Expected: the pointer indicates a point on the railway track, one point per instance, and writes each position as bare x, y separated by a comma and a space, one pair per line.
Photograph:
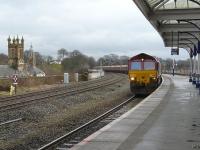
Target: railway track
63, 87
27, 99
68, 140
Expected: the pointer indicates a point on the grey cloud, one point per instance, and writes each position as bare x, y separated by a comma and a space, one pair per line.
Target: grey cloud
96, 27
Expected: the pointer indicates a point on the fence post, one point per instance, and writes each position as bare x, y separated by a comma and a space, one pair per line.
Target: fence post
66, 78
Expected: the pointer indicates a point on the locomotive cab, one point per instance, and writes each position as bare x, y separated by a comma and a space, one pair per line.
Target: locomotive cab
144, 73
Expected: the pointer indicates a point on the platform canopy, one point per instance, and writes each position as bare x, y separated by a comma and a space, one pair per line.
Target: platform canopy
177, 21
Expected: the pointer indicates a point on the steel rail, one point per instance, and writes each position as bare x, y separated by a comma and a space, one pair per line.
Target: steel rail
19, 104
10, 121
20, 97
3, 99
61, 94
45, 92
60, 139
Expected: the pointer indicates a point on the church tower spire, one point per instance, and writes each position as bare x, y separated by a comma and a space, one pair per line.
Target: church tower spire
15, 53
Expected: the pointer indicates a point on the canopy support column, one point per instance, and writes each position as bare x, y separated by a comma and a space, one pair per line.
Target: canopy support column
191, 70
194, 71
198, 71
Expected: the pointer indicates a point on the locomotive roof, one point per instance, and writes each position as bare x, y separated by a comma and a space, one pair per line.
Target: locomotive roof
143, 56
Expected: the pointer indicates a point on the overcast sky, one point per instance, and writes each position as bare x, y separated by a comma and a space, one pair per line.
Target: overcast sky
95, 27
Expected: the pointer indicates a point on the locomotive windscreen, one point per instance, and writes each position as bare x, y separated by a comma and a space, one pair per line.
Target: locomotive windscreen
149, 65
136, 65
144, 65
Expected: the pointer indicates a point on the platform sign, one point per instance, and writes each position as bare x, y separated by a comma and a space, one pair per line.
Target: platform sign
175, 51
14, 78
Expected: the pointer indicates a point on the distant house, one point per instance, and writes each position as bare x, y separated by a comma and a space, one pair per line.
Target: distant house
55, 62
6, 72
34, 71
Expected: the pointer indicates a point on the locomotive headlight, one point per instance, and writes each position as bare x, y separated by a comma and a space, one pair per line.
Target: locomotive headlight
132, 78
153, 77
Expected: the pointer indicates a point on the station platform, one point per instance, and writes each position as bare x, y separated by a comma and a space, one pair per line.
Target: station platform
168, 119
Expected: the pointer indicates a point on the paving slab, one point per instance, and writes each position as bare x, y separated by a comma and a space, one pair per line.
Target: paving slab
168, 119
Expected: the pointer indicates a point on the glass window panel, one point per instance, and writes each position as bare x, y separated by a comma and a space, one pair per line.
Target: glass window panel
170, 4
136, 66
148, 65
153, 2
181, 4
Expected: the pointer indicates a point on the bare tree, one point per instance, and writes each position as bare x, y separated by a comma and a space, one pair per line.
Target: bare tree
3, 59
75, 53
62, 53
113, 59
124, 60
48, 59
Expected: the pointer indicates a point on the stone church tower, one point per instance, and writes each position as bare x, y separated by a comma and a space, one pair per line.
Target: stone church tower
32, 59
16, 53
